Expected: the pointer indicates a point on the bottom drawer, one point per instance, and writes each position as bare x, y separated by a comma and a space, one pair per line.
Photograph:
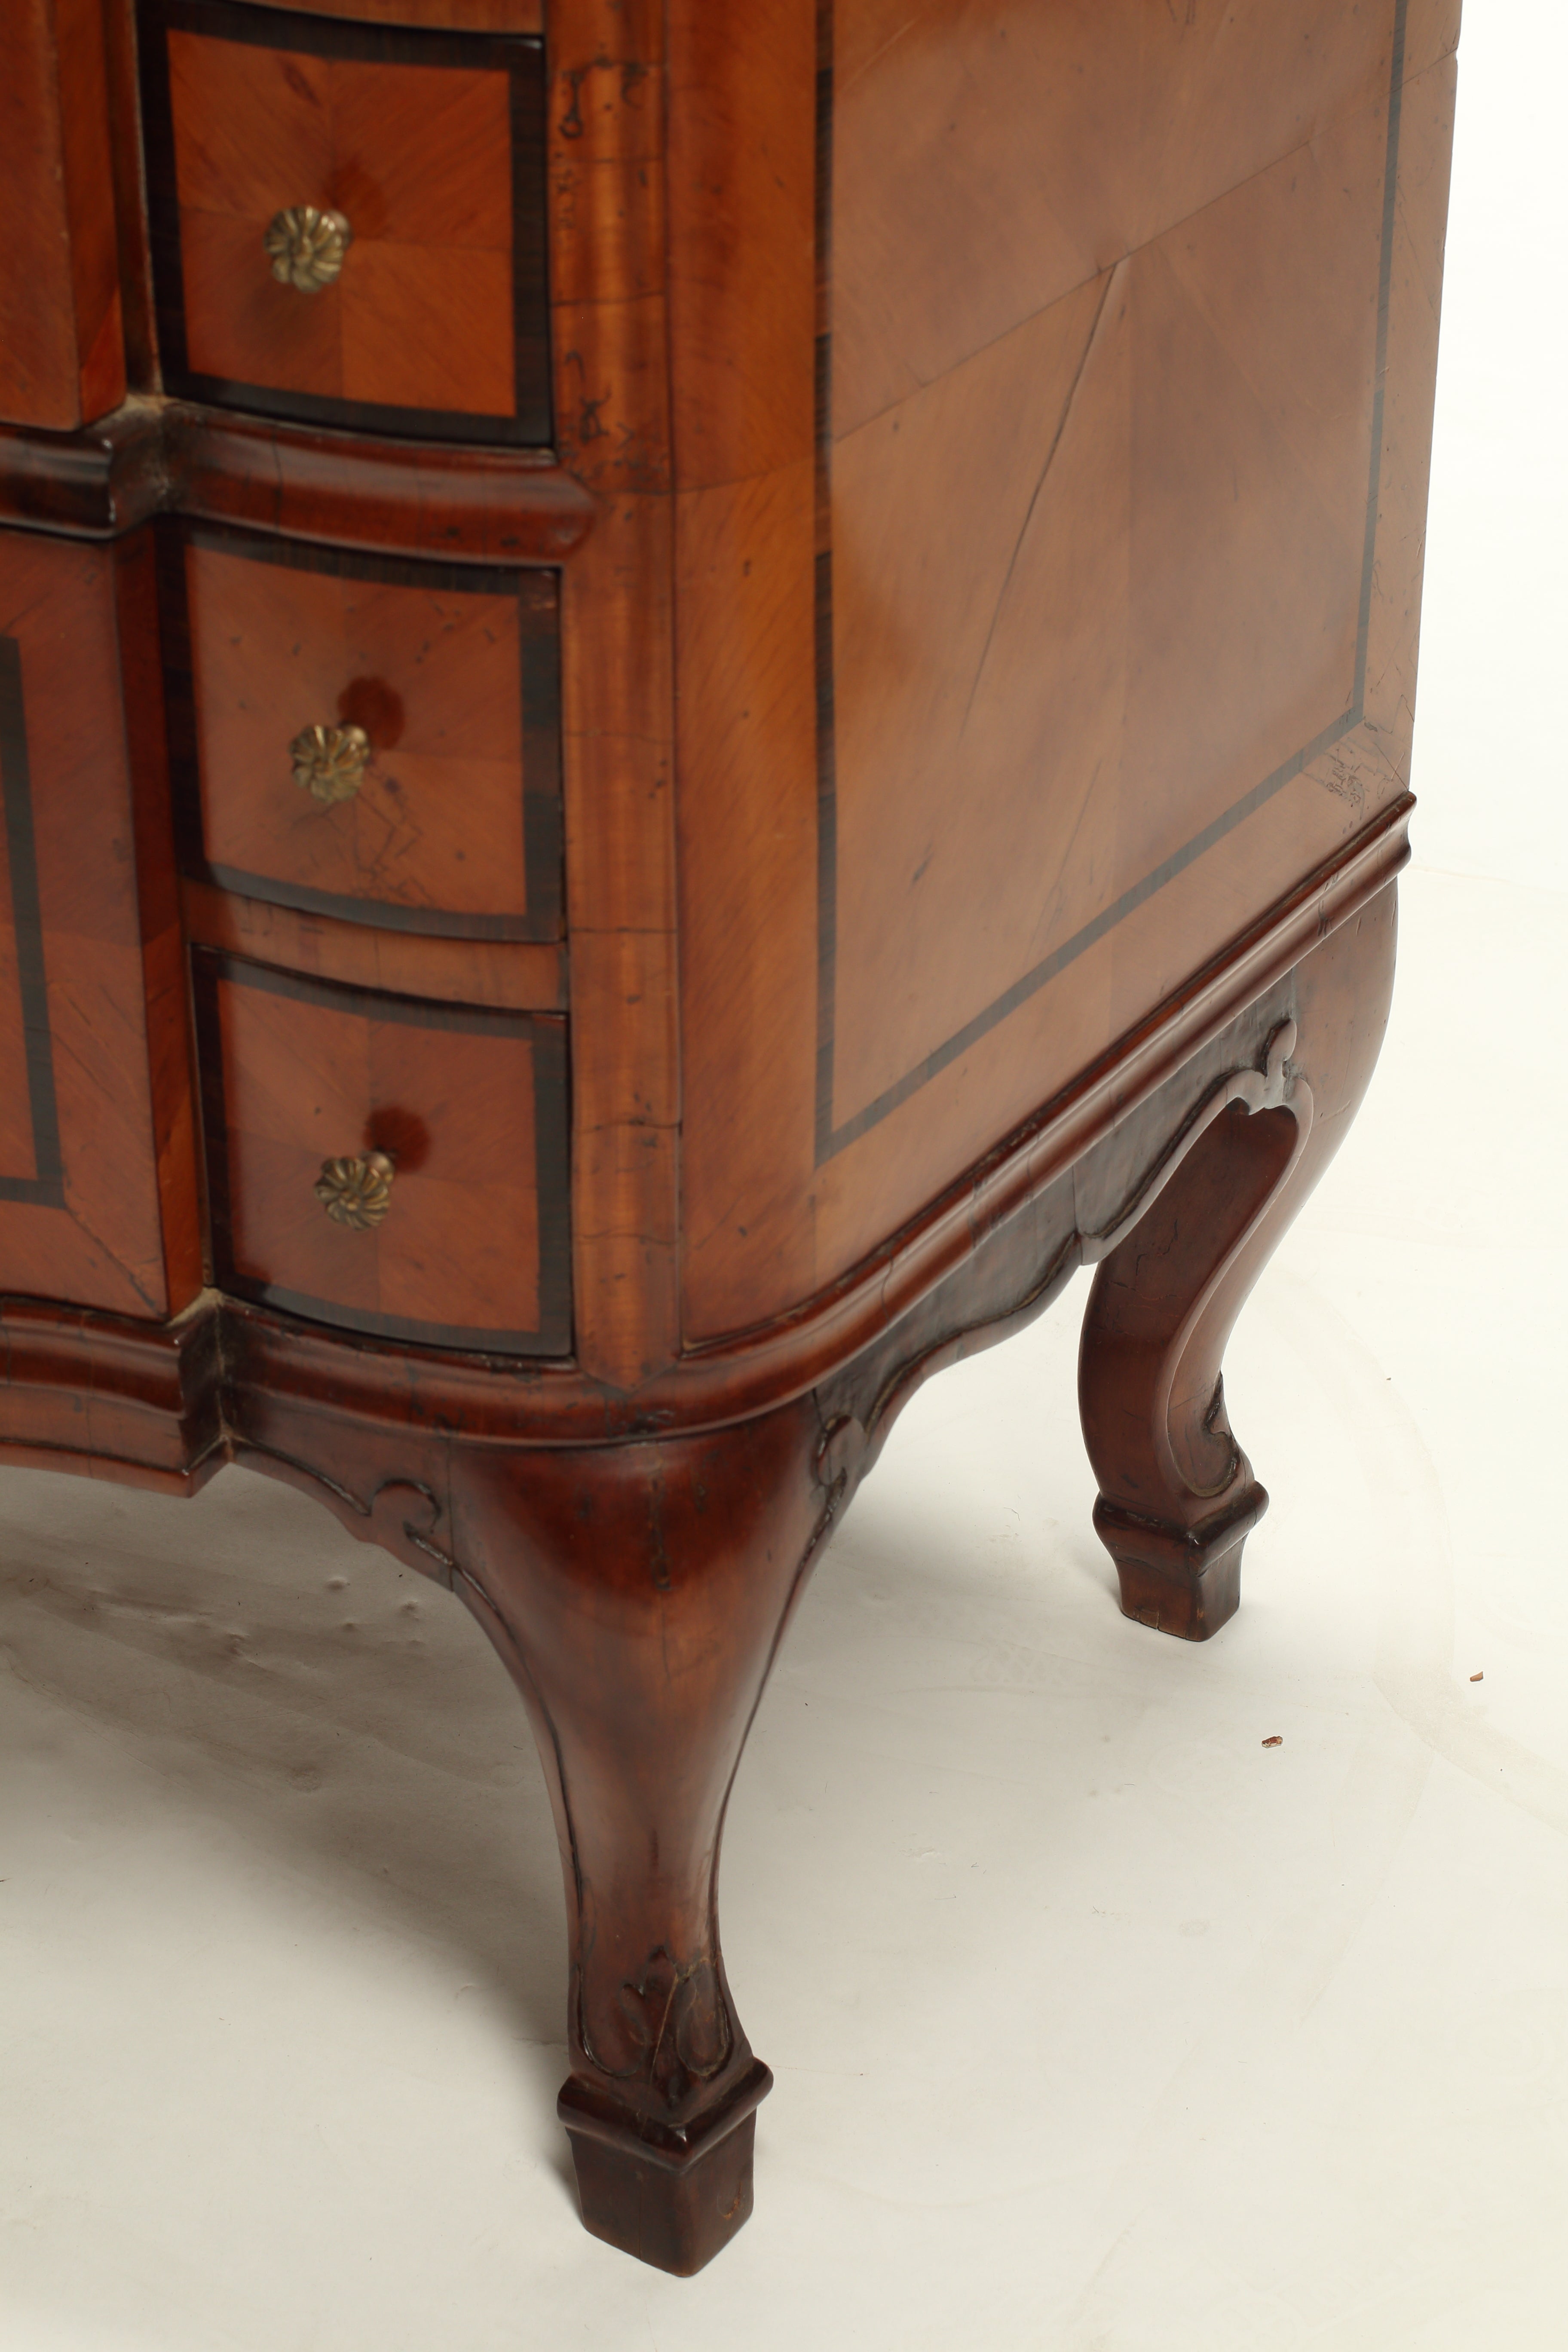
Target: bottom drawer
457, 1232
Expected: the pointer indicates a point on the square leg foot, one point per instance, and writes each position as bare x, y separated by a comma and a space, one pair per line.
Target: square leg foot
673, 2202
1181, 1580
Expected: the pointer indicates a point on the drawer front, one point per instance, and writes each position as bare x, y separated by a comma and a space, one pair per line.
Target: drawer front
266, 133
96, 1163
467, 1244
429, 800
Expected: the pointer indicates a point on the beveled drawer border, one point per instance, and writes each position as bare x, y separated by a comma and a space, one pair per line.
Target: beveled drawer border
540, 814
520, 56
46, 1186
546, 1033
151, 457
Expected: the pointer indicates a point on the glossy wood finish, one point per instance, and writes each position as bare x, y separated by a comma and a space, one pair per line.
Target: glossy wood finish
637, 1591
471, 1106
456, 972
428, 146
111, 1396
638, 1596
985, 511
1177, 1496
1071, 1189
441, 16
1114, 1107
157, 456
62, 357
452, 673
611, 335
98, 1195
976, 895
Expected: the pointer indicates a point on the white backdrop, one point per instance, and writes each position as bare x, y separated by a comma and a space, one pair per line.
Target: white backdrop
1098, 2027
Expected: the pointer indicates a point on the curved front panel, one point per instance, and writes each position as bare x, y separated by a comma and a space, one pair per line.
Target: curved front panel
348, 221
364, 738
387, 1165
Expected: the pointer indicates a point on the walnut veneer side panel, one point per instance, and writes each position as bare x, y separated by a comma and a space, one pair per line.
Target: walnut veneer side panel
452, 823
62, 357
91, 999
432, 319
1054, 641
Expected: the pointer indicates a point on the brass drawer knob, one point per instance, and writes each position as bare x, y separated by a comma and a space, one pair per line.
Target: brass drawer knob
308, 247
358, 1192
329, 762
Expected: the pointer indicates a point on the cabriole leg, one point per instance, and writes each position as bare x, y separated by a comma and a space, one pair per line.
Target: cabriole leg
1177, 1496
637, 1593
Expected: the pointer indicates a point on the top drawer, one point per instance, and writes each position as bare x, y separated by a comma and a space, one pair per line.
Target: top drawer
348, 220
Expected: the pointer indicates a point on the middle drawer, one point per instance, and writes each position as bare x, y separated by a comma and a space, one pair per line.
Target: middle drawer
362, 736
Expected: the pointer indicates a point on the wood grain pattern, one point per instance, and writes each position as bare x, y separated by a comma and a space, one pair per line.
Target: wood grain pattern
428, 145
1159, 485
91, 1232
1177, 1494
62, 358
638, 1594
468, 1104
453, 675
745, 612
110, 1397
606, 152
440, 16
162, 457
171, 1057
505, 974
1048, 767
986, 539
1118, 1116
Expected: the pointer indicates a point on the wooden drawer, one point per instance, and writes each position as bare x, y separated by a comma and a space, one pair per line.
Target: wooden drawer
450, 818
432, 319
97, 1160
469, 1107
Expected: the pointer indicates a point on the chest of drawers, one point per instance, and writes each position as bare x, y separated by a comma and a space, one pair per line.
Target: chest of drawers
689, 696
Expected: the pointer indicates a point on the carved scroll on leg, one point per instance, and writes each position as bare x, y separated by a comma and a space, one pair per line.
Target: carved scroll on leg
1177, 1495
637, 1593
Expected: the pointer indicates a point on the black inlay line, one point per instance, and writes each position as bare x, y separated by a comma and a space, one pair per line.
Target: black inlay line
537, 595
535, 587
831, 1140
826, 720
1380, 366
1107, 921
520, 57
45, 1187
545, 1035
471, 1339
350, 998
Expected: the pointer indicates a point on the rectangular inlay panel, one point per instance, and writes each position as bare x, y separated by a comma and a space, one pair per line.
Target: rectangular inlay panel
470, 1105
1052, 614
84, 1113
453, 823
429, 145
1100, 537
